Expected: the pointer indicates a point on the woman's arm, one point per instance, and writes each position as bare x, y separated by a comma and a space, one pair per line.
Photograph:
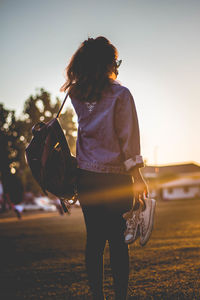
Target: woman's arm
127, 130
128, 133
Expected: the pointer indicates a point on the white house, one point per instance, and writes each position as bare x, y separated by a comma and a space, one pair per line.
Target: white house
185, 169
183, 188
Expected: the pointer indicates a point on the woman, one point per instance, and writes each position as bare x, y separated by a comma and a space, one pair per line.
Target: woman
108, 155
14, 193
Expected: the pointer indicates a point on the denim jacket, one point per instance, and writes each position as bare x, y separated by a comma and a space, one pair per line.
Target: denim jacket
108, 138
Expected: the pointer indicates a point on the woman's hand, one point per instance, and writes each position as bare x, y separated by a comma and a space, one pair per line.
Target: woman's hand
140, 189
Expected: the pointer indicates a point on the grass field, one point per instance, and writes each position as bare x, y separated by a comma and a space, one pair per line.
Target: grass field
42, 256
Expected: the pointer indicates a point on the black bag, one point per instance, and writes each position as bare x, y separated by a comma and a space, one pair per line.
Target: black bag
51, 162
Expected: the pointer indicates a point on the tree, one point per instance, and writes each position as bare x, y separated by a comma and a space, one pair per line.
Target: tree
9, 141
15, 134
40, 108
10, 147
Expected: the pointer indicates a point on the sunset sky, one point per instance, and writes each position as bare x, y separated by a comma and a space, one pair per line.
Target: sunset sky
158, 42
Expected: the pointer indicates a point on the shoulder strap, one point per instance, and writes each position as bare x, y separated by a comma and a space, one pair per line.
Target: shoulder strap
59, 112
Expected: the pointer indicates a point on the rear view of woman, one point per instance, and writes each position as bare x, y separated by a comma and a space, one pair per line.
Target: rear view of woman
108, 155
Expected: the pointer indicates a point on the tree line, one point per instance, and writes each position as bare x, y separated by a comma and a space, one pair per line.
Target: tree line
15, 135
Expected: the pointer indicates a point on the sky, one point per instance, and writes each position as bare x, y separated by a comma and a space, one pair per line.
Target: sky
157, 40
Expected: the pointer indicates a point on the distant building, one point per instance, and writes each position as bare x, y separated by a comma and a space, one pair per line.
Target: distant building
180, 181
169, 170
183, 188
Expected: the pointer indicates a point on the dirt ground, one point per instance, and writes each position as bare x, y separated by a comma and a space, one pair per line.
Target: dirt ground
42, 256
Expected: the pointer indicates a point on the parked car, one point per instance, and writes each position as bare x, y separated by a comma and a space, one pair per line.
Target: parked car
40, 203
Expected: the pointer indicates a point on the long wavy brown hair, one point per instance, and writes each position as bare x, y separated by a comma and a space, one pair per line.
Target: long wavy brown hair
90, 68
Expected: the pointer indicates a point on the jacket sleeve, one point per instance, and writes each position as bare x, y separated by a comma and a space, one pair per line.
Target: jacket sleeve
127, 130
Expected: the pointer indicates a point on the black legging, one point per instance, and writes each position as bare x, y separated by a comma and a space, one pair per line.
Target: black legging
104, 198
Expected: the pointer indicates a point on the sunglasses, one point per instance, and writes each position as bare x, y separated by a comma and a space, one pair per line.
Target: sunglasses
118, 62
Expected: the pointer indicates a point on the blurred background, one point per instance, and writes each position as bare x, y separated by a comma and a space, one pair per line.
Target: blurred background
159, 47
158, 42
